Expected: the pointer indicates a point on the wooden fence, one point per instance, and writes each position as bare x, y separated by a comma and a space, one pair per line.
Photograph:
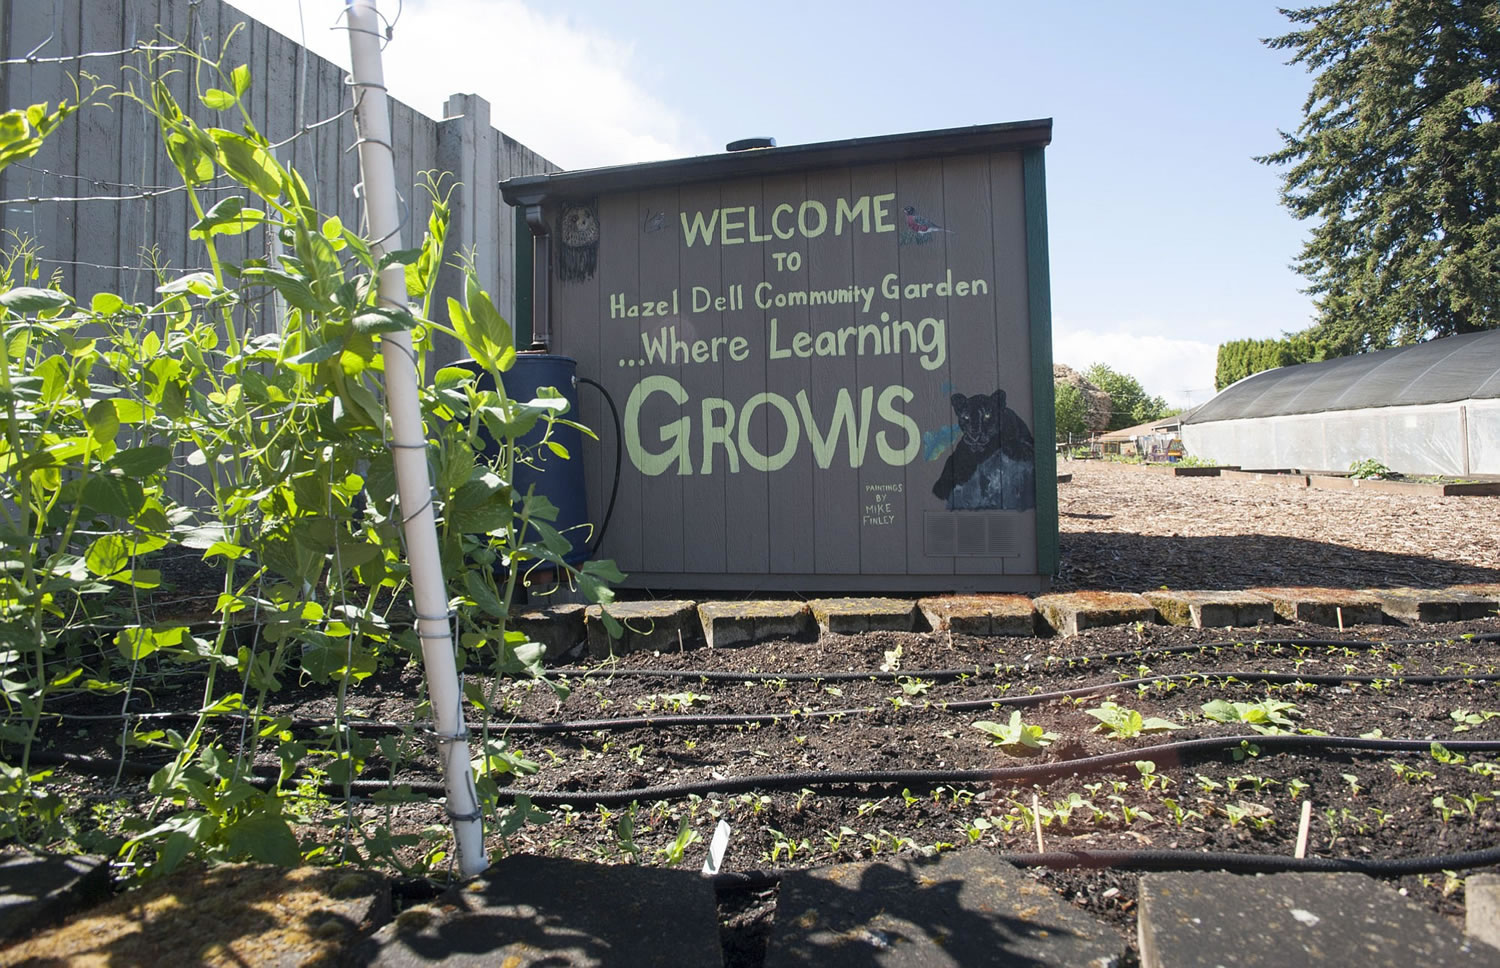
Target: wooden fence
100, 200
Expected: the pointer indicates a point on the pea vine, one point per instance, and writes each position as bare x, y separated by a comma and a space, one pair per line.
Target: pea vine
252, 391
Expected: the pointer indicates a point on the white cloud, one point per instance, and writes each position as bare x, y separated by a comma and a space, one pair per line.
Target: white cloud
564, 92
1181, 370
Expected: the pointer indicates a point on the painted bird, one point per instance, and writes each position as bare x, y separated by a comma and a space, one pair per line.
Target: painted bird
920, 224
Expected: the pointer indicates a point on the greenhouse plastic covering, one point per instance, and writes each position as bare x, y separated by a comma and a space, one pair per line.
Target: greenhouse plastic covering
1440, 371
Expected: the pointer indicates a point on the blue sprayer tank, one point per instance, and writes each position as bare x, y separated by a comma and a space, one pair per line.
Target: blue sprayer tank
561, 481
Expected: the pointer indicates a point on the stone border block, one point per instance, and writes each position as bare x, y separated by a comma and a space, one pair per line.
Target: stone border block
40, 890
665, 626
1324, 606
980, 614
1213, 609
1422, 605
1072, 612
740, 623
557, 627
1482, 908
851, 616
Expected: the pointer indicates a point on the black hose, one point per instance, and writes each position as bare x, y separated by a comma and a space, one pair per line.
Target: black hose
619, 453
1186, 860
995, 775
679, 720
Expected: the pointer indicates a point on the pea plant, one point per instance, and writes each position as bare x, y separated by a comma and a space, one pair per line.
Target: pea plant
257, 382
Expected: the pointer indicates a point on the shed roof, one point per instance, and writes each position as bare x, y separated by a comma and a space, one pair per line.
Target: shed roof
1008, 136
1439, 371
1146, 429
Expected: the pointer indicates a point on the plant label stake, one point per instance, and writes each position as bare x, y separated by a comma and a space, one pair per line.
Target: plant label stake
1036, 821
716, 848
1302, 829
409, 440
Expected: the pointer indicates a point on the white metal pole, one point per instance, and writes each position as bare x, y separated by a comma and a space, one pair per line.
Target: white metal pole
409, 443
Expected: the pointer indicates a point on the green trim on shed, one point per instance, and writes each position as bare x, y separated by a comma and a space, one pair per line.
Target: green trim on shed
1039, 305
520, 322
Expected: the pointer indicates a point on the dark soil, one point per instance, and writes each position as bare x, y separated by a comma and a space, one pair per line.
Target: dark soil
848, 715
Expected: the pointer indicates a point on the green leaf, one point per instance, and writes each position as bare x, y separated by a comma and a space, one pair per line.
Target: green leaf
25, 299
487, 600
217, 100
249, 163
195, 282
113, 494
106, 303
228, 217
142, 462
107, 556
103, 421
240, 78
263, 837
319, 353
377, 319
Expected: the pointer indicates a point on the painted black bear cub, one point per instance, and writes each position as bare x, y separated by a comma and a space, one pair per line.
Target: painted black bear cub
993, 463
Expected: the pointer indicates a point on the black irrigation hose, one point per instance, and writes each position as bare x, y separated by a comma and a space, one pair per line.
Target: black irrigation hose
712, 675
1186, 860
1005, 774
622, 723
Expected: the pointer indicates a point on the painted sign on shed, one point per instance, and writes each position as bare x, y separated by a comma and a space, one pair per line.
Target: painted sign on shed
825, 359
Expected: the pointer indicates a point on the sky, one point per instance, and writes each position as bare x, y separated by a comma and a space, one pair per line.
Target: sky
1167, 237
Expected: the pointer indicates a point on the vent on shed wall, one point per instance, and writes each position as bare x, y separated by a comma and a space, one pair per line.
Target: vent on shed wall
993, 534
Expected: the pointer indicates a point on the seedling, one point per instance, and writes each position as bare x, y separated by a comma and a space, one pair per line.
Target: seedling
913, 686
1017, 738
1123, 723
1467, 720
1446, 756
1149, 777
1295, 787
1353, 780
673, 852
1411, 774
1266, 716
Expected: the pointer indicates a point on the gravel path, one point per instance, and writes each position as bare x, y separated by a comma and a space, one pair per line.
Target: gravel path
1125, 527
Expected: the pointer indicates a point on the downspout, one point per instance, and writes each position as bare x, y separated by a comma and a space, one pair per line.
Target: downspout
409, 440
541, 273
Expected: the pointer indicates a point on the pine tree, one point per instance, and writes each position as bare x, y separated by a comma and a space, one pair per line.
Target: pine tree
1398, 160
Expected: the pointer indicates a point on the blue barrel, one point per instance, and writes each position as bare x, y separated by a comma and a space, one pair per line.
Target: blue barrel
561, 481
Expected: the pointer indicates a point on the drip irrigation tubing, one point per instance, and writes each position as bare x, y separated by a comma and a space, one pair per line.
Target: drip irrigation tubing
1178, 749
1186, 860
622, 723
991, 669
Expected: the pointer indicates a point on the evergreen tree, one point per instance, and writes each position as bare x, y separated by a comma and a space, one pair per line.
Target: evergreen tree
1240, 358
1398, 160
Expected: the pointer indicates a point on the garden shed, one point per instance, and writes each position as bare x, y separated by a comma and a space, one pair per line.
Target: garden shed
1432, 408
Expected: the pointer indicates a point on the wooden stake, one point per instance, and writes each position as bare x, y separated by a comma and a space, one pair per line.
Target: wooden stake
1036, 821
1302, 829
1339, 611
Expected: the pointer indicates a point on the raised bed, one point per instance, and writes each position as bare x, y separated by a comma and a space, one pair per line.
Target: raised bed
1413, 488
1177, 470
1283, 478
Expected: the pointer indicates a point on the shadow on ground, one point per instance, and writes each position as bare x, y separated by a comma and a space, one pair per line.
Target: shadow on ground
1135, 562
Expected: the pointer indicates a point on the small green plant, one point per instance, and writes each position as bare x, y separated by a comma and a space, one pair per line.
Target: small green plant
1017, 738
1371, 469
1123, 723
674, 852
1266, 716
1467, 720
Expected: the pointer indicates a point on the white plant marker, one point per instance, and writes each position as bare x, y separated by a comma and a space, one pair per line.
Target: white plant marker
1302, 829
409, 442
716, 848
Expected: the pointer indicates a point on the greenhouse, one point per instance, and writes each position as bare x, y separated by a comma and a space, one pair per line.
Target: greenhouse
1432, 408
